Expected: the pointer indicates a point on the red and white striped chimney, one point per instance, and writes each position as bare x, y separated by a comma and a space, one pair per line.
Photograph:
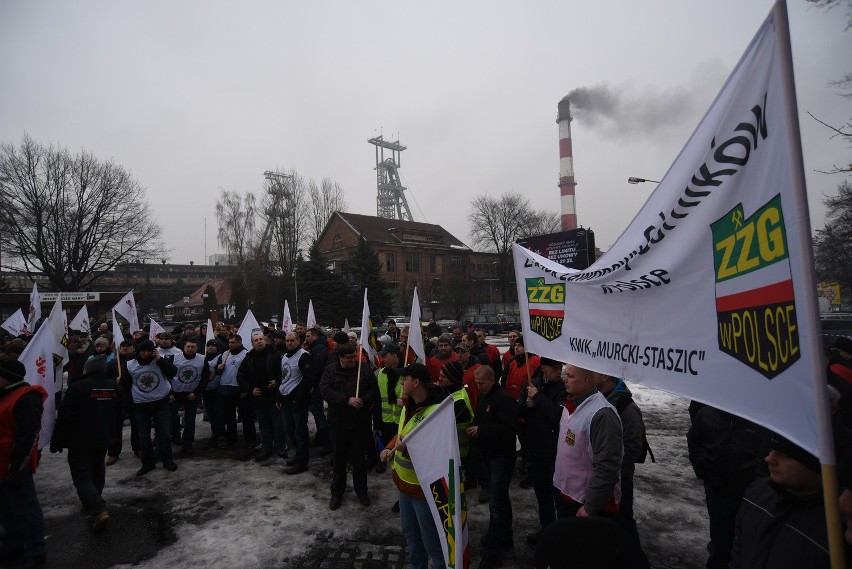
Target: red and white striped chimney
566, 166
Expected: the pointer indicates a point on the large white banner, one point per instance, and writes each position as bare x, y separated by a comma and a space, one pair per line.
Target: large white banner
709, 293
434, 449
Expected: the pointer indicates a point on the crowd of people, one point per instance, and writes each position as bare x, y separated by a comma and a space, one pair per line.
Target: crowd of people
574, 435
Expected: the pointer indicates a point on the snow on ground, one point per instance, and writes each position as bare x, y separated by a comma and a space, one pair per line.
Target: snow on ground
224, 512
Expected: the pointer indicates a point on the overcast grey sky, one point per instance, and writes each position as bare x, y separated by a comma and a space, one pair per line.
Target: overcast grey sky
196, 96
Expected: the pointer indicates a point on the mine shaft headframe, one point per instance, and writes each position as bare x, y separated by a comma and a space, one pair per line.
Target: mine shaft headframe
390, 200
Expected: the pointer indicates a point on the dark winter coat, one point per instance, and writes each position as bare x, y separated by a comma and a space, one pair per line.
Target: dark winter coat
257, 369
542, 419
338, 384
777, 530
496, 416
89, 414
725, 450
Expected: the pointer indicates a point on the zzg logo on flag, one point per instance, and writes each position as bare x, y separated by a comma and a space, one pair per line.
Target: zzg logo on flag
547, 307
755, 304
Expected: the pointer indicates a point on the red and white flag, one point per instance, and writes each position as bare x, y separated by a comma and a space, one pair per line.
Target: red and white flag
127, 308
34, 311
16, 324
38, 359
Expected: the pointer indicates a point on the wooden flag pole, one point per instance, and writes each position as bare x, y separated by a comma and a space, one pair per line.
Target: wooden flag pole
529, 371
832, 516
358, 382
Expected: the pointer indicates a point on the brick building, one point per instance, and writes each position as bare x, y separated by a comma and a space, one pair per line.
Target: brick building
449, 276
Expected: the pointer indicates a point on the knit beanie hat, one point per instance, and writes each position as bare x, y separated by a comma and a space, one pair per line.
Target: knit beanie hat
453, 371
12, 370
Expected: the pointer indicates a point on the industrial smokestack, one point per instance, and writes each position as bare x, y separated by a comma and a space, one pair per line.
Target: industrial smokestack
566, 166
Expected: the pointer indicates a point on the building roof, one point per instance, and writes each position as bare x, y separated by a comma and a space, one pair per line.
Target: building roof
396, 231
223, 294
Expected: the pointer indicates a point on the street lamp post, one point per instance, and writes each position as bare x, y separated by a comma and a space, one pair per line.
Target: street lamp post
296, 285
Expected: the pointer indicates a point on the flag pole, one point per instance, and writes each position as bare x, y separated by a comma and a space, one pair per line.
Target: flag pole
811, 310
358, 381
529, 372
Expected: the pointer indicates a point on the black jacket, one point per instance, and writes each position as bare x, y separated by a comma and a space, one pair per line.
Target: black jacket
777, 530
338, 384
27, 416
497, 418
542, 419
89, 414
257, 369
319, 353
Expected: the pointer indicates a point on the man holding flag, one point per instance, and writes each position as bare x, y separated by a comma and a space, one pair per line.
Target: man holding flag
421, 535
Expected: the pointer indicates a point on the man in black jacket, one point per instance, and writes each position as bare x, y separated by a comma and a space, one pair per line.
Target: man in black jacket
541, 406
86, 426
493, 432
781, 523
349, 419
724, 450
125, 353
293, 398
258, 379
318, 347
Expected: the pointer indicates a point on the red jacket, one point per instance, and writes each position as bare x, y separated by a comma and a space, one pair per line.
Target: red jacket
434, 364
8, 425
517, 377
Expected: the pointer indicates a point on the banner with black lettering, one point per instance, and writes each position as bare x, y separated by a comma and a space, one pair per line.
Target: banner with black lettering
709, 293
434, 449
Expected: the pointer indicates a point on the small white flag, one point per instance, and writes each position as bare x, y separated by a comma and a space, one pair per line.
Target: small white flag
346, 325
415, 331
81, 322
58, 334
312, 319
127, 308
366, 328
16, 324
154, 329
210, 334
248, 329
34, 311
286, 319
117, 334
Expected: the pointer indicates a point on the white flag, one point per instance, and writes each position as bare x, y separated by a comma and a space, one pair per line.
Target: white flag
58, 321
346, 324
34, 311
434, 449
154, 329
312, 319
81, 322
211, 335
127, 308
117, 334
16, 324
415, 331
286, 319
366, 328
248, 329
38, 359
709, 293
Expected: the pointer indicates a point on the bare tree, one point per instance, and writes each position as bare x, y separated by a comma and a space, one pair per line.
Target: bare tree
237, 219
285, 210
71, 217
495, 224
540, 222
325, 199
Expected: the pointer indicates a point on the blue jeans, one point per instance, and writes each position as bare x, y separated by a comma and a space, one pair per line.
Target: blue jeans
271, 424
421, 535
21, 518
295, 414
158, 412
499, 473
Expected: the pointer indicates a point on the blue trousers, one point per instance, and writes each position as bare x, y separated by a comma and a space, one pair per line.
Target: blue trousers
295, 414
421, 535
499, 473
271, 424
